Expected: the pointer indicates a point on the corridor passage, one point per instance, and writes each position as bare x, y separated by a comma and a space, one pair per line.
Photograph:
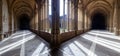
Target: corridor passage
24, 43
92, 43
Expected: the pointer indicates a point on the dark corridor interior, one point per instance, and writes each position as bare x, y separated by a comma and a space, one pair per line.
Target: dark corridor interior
98, 21
24, 22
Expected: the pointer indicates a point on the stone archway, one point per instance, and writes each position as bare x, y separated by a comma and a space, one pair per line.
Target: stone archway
99, 21
24, 22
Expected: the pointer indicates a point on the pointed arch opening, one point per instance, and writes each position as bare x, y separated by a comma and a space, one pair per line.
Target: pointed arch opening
24, 22
99, 21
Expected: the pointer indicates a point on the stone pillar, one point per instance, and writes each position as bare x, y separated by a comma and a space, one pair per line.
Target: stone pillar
14, 23
36, 16
0, 19
118, 22
64, 17
117, 12
47, 21
46, 16
16, 26
68, 15
83, 20
55, 42
76, 15
72, 19
34, 20
41, 22
10, 23
55, 22
42, 17
80, 16
87, 23
118, 17
39, 16
112, 16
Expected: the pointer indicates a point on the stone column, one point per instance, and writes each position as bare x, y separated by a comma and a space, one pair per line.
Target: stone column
0, 19
76, 15
14, 26
112, 16
68, 15
55, 40
34, 19
39, 17
47, 21
46, 16
10, 23
42, 17
83, 19
64, 17
71, 16
117, 12
87, 22
118, 17
72, 24
55, 22
118, 21
36, 16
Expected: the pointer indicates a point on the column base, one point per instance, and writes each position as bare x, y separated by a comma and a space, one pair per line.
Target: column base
117, 33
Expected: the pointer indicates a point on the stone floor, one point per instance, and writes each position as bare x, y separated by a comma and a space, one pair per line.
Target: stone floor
24, 43
92, 43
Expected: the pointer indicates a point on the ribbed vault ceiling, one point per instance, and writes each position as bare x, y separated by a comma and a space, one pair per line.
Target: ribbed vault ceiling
19, 7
